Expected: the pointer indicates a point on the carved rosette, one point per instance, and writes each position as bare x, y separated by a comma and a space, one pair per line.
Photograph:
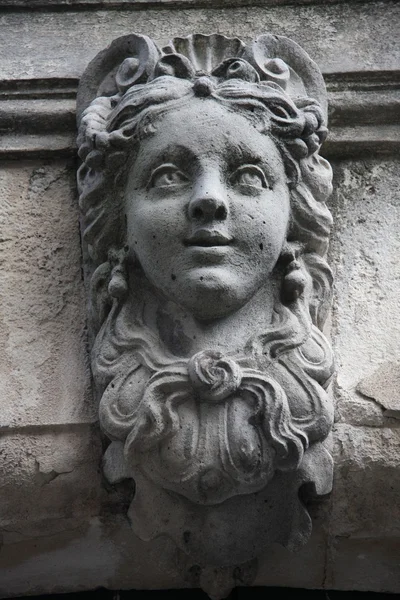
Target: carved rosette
218, 443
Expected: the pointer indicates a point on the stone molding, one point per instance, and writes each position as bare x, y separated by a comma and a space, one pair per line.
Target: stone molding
37, 116
87, 5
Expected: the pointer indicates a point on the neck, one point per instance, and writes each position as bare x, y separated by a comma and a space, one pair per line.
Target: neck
184, 335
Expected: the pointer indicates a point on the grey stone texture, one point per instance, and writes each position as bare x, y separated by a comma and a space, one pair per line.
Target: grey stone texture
338, 37
203, 198
62, 527
44, 366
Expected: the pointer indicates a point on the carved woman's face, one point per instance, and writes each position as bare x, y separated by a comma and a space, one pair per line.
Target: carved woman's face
207, 207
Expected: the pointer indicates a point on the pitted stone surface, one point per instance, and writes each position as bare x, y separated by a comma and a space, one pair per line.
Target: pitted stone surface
365, 257
62, 530
44, 374
203, 196
337, 36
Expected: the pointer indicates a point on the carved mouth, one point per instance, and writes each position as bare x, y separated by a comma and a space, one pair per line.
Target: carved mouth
206, 238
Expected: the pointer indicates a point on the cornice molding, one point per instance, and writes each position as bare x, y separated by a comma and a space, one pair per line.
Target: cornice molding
91, 5
37, 116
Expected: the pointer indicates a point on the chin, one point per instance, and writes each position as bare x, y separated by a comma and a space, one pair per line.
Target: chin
209, 295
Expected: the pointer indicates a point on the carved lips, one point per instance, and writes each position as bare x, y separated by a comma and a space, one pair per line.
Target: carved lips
208, 238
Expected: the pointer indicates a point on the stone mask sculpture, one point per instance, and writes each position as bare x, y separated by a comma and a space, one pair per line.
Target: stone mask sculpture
203, 201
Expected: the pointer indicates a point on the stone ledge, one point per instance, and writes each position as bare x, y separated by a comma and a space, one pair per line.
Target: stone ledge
32, 146
67, 5
37, 116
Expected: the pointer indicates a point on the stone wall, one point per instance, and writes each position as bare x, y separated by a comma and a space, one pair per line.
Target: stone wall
62, 528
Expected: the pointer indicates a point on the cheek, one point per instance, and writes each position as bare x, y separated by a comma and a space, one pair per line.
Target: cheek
152, 236
275, 223
272, 236
140, 230
264, 224
143, 222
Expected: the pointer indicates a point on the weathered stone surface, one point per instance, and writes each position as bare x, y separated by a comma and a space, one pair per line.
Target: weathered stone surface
370, 565
64, 530
44, 375
338, 37
203, 200
38, 116
365, 252
356, 549
87, 554
383, 386
48, 478
365, 502
305, 568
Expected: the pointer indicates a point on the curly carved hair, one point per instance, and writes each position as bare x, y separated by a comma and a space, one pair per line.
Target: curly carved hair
112, 128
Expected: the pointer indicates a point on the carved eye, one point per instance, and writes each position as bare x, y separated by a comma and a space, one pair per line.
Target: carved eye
251, 176
167, 176
280, 112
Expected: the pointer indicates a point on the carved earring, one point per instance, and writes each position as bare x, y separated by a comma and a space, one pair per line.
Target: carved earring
118, 286
294, 281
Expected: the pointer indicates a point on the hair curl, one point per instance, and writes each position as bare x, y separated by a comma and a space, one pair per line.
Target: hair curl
113, 127
299, 358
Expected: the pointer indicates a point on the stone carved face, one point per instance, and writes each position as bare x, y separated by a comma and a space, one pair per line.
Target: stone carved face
222, 437
207, 208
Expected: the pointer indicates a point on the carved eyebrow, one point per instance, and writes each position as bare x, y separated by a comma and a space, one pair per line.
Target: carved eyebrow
182, 157
247, 156
175, 152
242, 152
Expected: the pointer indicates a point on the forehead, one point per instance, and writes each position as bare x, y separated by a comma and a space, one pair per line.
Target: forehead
204, 127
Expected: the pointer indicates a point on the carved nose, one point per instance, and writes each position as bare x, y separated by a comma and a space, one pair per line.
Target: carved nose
208, 208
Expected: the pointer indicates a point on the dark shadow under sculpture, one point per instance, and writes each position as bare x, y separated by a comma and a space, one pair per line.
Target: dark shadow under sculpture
203, 199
